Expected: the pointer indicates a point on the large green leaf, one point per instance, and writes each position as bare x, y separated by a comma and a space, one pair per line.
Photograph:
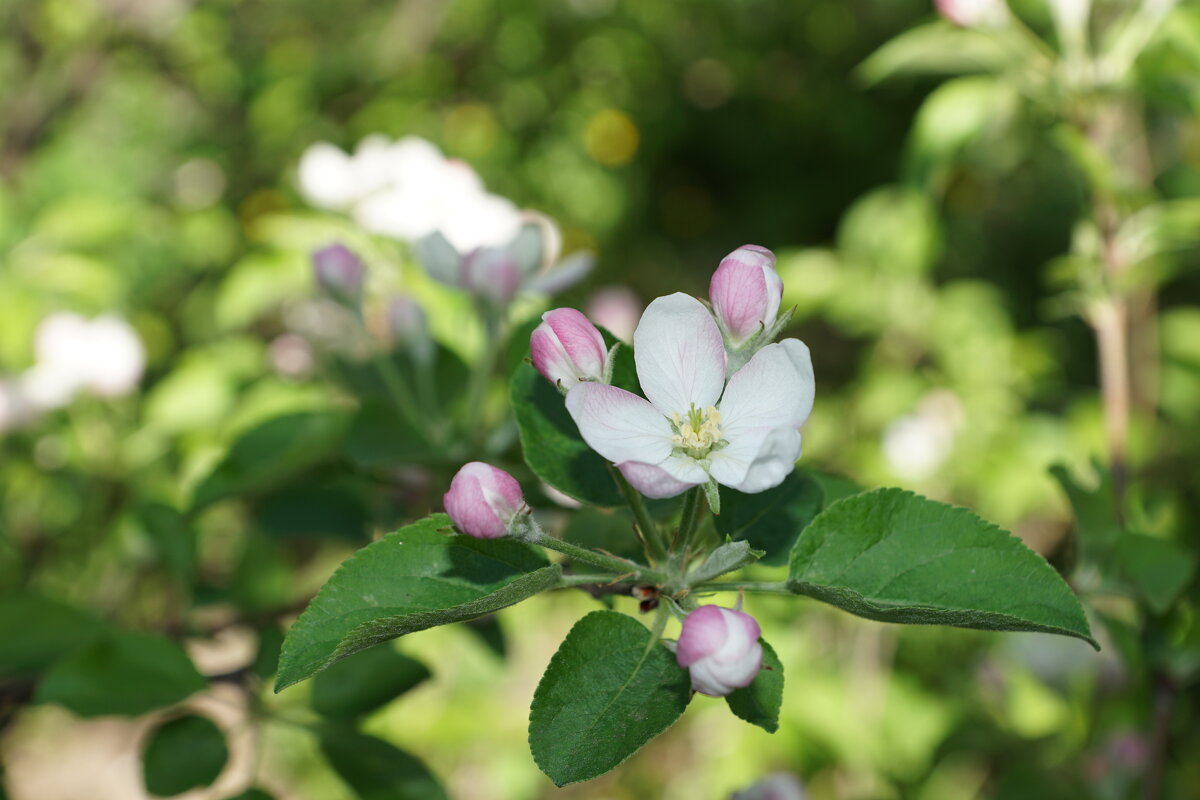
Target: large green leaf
772, 520
1157, 569
759, 703
376, 770
365, 681
608, 691
413, 579
183, 754
550, 440
937, 47
893, 556
37, 631
124, 673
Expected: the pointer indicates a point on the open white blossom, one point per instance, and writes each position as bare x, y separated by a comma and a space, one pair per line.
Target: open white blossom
102, 355
916, 445
694, 428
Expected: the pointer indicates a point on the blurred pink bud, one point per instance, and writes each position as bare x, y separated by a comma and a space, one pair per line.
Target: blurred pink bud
720, 648
339, 272
617, 310
409, 326
745, 292
483, 500
493, 273
973, 13
567, 348
776, 786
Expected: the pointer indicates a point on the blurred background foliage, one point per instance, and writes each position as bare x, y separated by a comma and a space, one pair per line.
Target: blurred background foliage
928, 234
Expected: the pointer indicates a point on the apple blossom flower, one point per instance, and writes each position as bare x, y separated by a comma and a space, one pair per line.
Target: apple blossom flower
339, 272
616, 309
719, 647
974, 13
497, 274
745, 292
483, 500
103, 355
567, 348
694, 429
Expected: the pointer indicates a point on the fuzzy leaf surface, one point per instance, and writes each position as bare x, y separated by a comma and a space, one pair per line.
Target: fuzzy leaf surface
759, 703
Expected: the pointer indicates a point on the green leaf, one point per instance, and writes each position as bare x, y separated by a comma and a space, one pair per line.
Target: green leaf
608, 691
759, 703
726, 558
772, 520
891, 555
413, 579
1097, 530
1158, 569
377, 770
124, 673
314, 510
609, 530
365, 681
266, 657
550, 440
183, 754
270, 453
379, 436
173, 537
252, 794
937, 47
37, 631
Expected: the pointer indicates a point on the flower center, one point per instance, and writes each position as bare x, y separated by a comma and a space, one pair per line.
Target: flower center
698, 432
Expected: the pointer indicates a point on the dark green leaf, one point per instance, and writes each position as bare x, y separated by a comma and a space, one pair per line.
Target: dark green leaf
365, 681
183, 754
1157, 569
38, 631
550, 440
380, 436
612, 531
173, 537
606, 693
726, 558
124, 673
267, 455
1096, 527
266, 658
772, 520
413, 579
377, 770
263, 578
313, 511
893, 556
759, 703
490, 633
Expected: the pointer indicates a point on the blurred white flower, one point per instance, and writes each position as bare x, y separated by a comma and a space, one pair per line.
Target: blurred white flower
407, 189
616, 309
103, 355
15, 409
917, 444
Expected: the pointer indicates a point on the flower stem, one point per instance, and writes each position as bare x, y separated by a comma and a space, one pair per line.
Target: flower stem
604, 579
758, 587
656, 548
693, 512
629, 570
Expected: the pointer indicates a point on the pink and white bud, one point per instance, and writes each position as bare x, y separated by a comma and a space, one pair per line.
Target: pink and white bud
567, 348
720, 648
746, 291
339, 272
483, 501
973, 13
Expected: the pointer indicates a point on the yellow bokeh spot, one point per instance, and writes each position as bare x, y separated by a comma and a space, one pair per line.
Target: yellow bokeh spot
611, 137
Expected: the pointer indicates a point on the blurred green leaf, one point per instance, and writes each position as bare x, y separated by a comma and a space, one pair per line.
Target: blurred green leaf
891, 230
264, 577
272, 452
955, 115
365, 681
375, 769
124, 673
607, 691
759, 703
266, 657
252, 794
1096, 527
937, 47
380, 436
1157, 568
771, 521
413, 579
894, 556
183, 754
173, 537
598, 529
313, 510
37, 631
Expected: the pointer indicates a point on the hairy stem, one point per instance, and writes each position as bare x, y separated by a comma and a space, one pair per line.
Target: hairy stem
656, 549
757, 587
628, 570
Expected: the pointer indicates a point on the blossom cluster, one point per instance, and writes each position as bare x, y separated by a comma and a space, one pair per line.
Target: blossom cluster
73, 354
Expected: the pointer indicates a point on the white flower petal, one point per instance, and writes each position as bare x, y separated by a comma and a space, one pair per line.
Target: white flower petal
679, 353
753, 463
652, 481
618, 424
774, 389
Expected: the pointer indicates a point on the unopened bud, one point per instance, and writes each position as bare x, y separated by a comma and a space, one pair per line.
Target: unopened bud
720, 649
409, 326
567, 348
483, 501
339, 272
745, 292
973, 13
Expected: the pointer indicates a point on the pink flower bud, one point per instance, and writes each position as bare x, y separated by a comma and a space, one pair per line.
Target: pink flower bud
483, 500
973, 13
491, 273
567, 348
719, 647
745, 292
339, 272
